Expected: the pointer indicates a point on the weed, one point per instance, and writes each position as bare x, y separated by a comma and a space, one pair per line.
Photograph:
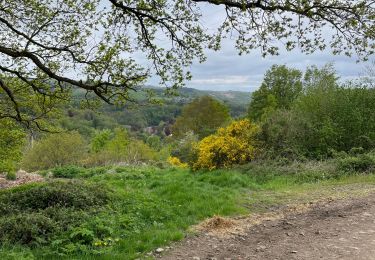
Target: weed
11, 176
67, 172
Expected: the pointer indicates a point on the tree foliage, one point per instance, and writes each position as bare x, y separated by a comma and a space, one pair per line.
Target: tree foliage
202, 116
280, 87
235, 144
44, 41
283, 134
12, 140
341, 118
30, 106
327, 117
100, 140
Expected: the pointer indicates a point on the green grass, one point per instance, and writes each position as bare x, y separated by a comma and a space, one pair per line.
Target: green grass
142, 208
148, 207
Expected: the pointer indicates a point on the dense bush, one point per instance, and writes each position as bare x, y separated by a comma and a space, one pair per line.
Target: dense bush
339, 118
235, 144
100, 140
67, 172
109, 148
174, 161
361, 163
36, 215
185, 149
73, 194
285, 134
11, 176
55, 150
27, 229
154, 142
326, 117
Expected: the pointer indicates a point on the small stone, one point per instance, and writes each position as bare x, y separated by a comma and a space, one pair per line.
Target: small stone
294, 252
196, 258
21, 172
159, 250
260, 248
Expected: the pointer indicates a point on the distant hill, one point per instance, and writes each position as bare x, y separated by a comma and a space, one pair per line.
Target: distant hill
230, 97
237, 101
143, 115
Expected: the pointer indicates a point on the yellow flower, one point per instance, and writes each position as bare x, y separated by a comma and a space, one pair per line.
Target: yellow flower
235, 144
176, 162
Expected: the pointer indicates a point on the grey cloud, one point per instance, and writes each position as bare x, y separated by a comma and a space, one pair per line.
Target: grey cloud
227, 64
226, 70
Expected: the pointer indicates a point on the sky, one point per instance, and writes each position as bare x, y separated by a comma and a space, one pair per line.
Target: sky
226, 70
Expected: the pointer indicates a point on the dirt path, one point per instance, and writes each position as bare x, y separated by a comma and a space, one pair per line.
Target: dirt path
342, 229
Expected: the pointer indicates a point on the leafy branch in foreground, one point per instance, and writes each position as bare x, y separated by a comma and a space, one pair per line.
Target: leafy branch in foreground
109, 48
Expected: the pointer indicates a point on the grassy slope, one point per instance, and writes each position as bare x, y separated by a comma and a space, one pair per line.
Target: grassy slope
151, 207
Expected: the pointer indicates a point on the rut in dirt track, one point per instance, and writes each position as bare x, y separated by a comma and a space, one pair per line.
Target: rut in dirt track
343, 229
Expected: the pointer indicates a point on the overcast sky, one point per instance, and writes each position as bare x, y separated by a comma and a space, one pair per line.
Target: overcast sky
226, 70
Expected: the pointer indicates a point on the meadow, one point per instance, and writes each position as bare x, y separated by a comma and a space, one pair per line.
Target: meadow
125, 212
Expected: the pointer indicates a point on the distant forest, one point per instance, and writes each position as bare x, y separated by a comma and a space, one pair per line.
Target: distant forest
146, 117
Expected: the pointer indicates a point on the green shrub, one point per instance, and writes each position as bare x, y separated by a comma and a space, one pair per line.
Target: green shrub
93, 171
133, 152
11, 176
50, 214
362, 163
356, 150
82, 236
185, 148
40, 228
26, 229
121, 169
55, 150
55, 194
67, 172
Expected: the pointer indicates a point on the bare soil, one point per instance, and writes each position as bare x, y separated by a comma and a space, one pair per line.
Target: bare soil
329, 229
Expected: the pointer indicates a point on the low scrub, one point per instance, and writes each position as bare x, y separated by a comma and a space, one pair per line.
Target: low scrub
147, 208
48, 214
67, 172
360, 163
73, 194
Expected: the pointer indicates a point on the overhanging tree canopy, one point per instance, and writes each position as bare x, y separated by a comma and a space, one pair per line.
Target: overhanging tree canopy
111, 47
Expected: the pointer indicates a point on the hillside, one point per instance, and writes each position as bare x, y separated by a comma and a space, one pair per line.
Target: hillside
143, 115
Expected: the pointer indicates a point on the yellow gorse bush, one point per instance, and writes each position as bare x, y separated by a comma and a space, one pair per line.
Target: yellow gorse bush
234, 144
176, 162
